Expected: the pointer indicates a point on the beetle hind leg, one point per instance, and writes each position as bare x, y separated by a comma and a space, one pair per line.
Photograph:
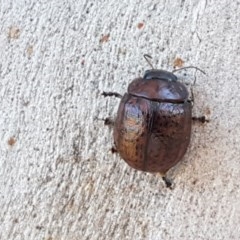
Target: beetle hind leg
114, 150
167, 182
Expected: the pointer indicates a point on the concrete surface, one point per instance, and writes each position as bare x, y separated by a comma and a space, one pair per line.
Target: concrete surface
58, 178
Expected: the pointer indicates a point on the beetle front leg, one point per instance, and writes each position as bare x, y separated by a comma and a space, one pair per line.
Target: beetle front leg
107, 121
191, 100
112, 94
201, 119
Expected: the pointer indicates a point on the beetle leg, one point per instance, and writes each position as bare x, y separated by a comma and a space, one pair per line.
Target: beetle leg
112, 94
201, 119
108, 121
114, 150
167, 182
191, 100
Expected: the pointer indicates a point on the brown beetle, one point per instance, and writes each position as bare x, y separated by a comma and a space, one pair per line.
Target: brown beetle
153, 125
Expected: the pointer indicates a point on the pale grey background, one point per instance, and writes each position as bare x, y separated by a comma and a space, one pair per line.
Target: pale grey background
58, 178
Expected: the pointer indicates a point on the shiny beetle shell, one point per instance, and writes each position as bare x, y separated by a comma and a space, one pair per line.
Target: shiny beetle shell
153, 126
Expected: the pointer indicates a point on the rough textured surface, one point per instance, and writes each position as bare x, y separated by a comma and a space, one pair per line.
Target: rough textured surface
58, 179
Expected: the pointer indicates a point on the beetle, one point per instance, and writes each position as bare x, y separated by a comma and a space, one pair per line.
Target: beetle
152, 129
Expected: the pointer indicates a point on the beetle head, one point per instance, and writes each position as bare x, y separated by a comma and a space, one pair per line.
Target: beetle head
159, 74
156, 73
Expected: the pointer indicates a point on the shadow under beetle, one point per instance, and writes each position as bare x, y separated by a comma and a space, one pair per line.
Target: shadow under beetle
153, 126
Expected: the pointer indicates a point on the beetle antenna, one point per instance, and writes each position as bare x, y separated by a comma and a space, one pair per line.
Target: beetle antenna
189, 67
146, 56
